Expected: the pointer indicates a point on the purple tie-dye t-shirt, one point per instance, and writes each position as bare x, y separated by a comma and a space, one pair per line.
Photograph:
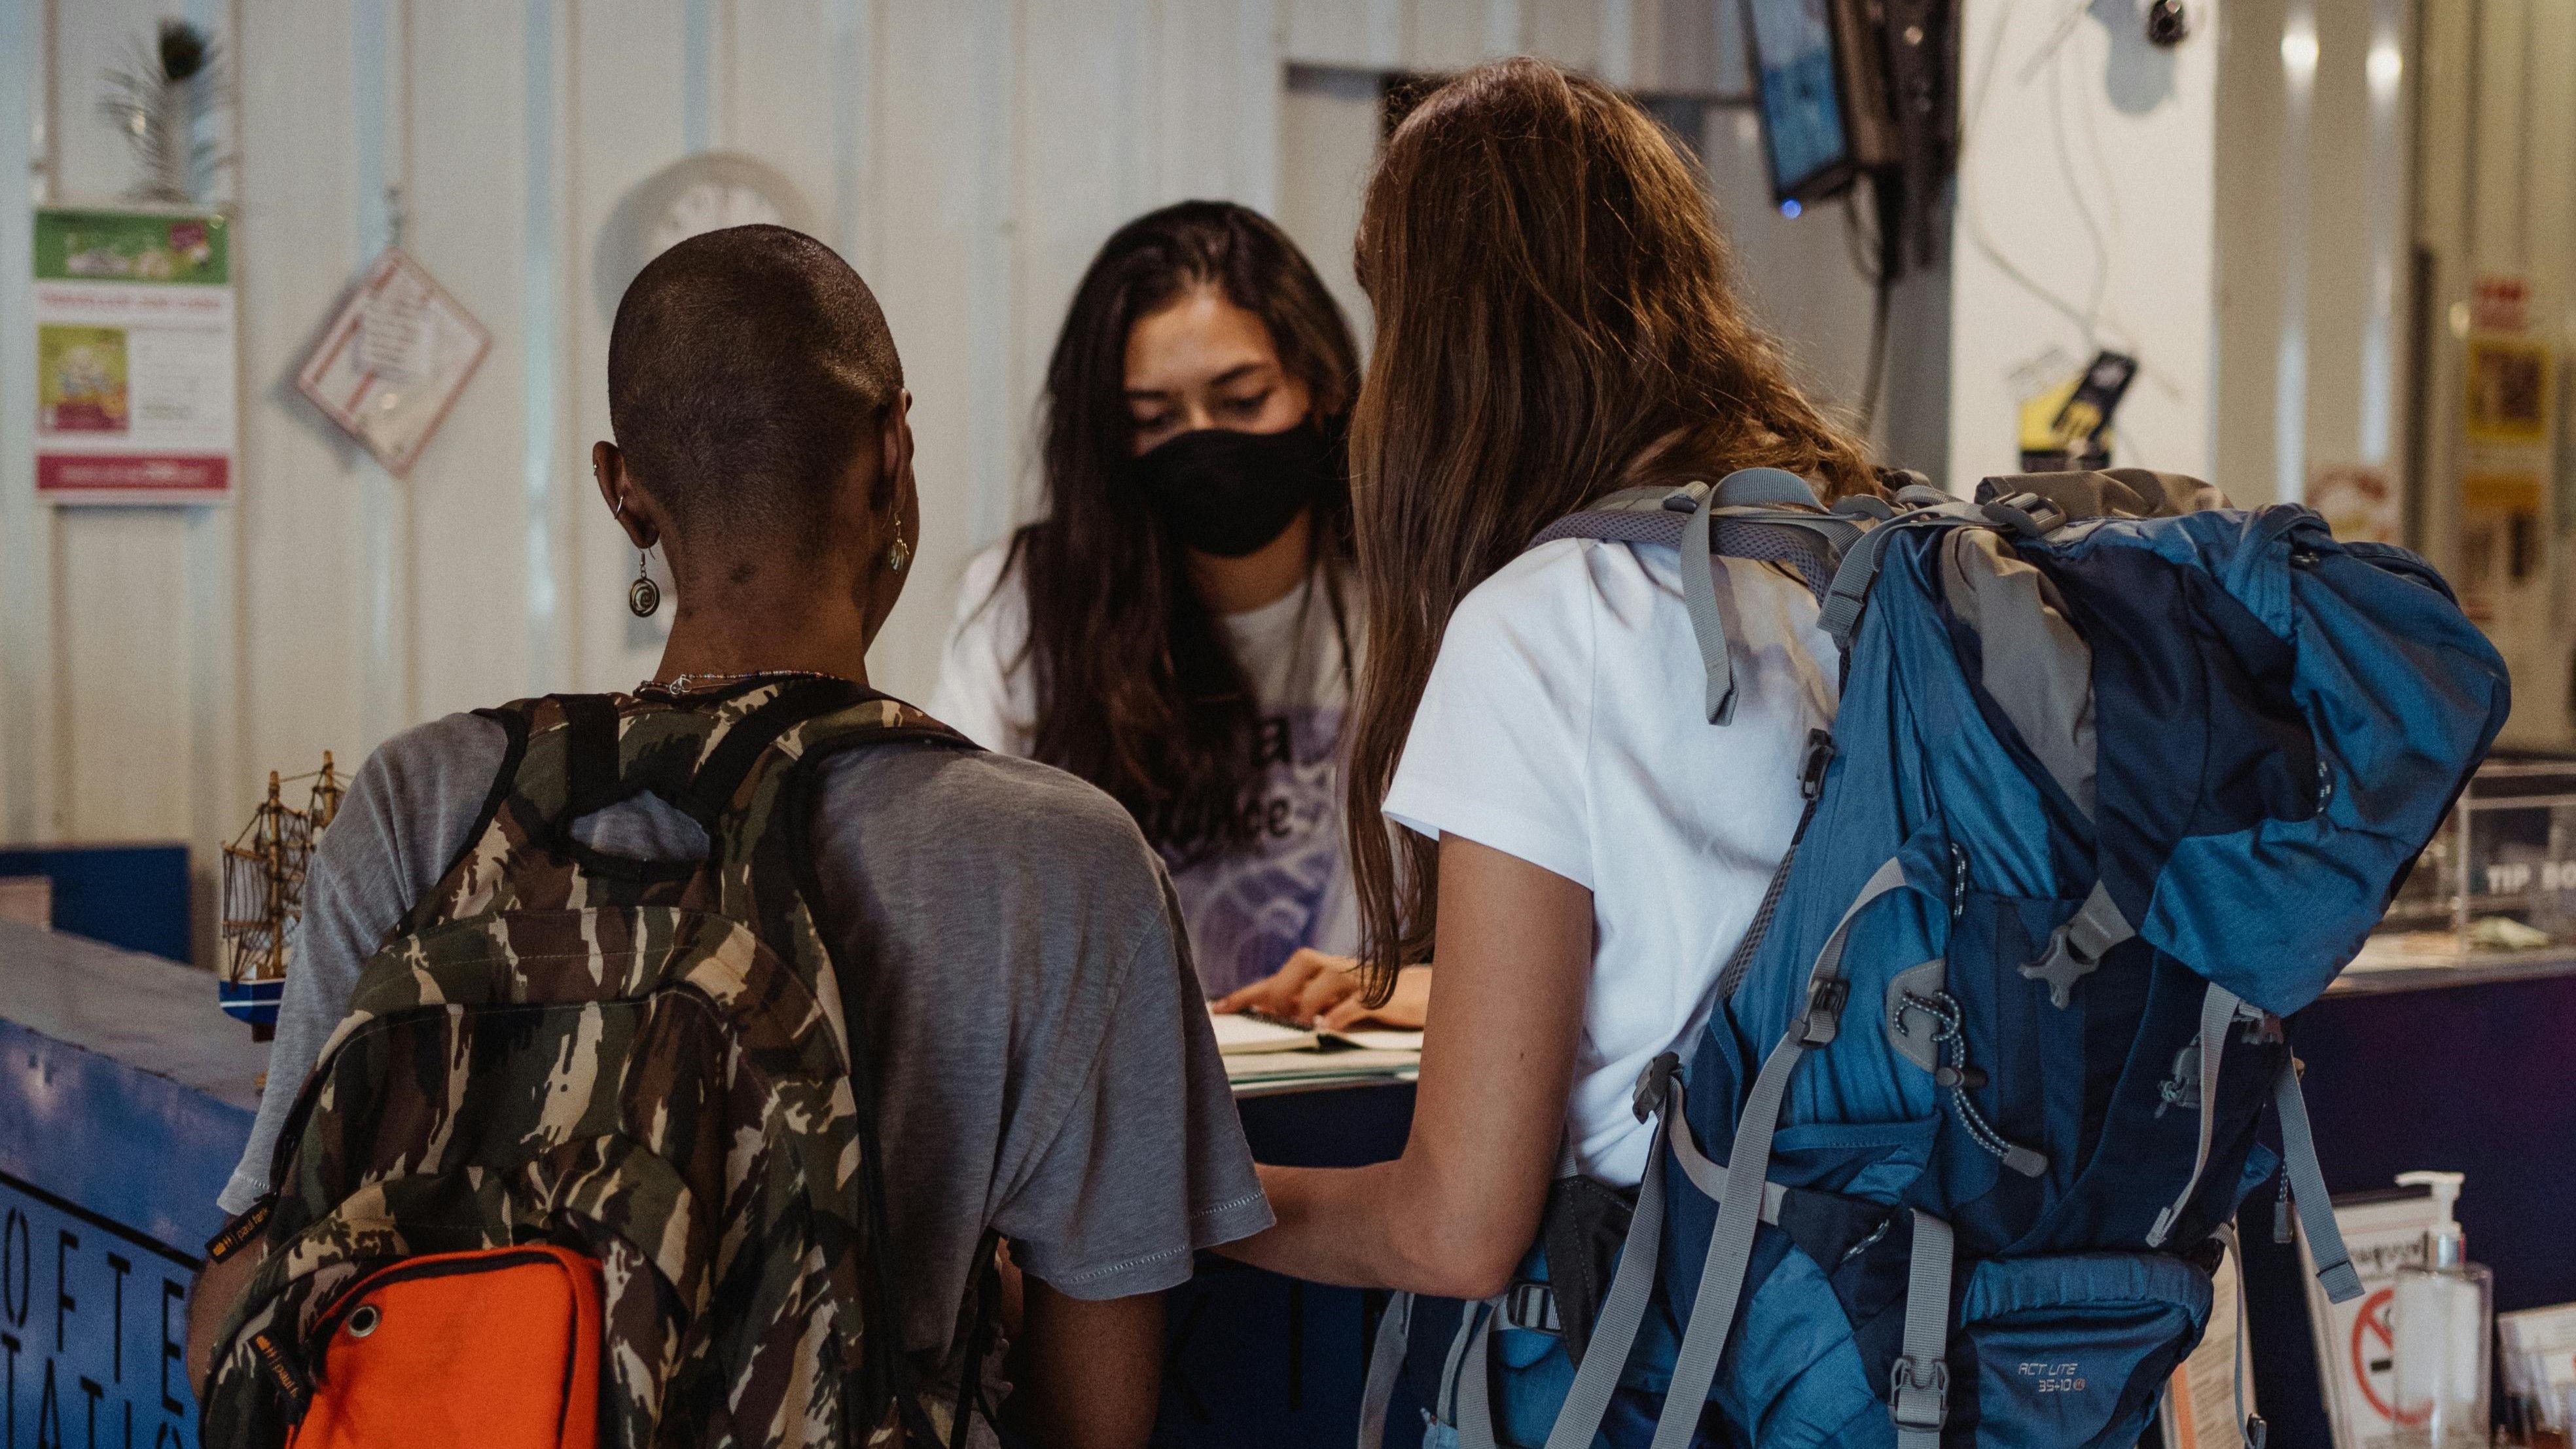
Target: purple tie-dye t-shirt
1247, 910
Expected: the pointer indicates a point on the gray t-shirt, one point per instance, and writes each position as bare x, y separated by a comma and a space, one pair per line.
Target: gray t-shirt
1044, 1061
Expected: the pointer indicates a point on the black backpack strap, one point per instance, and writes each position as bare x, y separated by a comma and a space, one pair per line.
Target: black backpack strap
985, 1284
591, 768
513, 718
597, 775
721, 774
718, 779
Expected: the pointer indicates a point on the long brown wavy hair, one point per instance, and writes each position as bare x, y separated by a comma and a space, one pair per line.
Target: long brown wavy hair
1138, 690
1554, 323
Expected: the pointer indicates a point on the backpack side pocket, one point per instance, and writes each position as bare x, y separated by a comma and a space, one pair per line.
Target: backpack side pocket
2069, 1352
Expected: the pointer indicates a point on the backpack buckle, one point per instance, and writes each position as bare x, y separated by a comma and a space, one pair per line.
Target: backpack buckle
1820, 757
1655, 1085
2061, 966
1824, 1012
2028, 514
1919, 1403
1530, 1306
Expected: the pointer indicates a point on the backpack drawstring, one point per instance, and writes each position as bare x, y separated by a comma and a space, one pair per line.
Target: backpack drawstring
1956, 1074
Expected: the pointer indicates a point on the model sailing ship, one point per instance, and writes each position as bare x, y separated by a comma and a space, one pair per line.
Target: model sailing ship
264, 895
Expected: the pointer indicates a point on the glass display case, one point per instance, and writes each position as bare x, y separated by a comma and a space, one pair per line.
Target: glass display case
2500, 876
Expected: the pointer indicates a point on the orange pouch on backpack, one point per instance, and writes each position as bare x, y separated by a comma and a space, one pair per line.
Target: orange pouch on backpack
493, 1349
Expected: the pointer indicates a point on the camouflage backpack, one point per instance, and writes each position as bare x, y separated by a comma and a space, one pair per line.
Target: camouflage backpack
647, 1061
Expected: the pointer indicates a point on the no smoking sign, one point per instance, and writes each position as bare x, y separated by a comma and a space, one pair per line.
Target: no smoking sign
2374, 1355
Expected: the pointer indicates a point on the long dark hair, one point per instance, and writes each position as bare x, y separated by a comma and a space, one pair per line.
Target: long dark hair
1137, 689
1554, 322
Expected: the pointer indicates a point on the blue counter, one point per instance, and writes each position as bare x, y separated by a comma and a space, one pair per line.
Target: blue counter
125, 1097
2464, 1068
1256, 1361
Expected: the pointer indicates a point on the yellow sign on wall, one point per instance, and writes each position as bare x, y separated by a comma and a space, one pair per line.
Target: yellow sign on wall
2508, 391
2504, 493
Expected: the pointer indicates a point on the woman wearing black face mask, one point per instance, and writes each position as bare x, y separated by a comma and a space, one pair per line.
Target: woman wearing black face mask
1177, 628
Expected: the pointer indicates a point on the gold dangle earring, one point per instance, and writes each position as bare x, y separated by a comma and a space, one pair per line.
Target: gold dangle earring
898, 553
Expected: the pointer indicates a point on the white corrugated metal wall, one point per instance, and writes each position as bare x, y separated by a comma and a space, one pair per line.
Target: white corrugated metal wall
966, 155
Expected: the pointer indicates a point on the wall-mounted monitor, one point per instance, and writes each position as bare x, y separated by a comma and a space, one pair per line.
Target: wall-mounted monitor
1798, 80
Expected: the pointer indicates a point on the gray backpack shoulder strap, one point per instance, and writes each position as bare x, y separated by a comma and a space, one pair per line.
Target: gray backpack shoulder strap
1752, 506
1764, 514
1631, 515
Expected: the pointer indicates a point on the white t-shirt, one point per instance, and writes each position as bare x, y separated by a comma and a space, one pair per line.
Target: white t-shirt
1246, 911
1564, 724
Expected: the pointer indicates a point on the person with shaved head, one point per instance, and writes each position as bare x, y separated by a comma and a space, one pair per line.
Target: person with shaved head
1017, 988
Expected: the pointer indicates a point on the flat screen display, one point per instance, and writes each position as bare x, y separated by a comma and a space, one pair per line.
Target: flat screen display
1802, 105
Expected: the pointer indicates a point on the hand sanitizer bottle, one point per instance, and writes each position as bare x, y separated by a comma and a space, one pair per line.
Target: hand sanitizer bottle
2443, 1318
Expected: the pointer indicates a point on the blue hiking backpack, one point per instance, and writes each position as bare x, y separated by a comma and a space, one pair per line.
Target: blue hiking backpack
2113, 787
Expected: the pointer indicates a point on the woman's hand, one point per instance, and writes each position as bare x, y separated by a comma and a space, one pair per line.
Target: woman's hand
1310, 985
1315, 989
1408, 1007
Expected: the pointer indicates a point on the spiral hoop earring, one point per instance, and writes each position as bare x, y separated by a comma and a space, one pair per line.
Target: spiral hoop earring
643, 596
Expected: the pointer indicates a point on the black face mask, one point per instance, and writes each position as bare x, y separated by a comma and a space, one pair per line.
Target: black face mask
1229, 493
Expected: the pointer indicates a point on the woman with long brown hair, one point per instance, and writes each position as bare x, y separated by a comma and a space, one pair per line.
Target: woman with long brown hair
1175, 629
1574, 842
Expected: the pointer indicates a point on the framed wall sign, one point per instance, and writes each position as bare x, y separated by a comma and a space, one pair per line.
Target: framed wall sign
394, 360
136, 367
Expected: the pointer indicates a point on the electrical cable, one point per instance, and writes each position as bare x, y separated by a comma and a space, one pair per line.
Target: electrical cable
2098, 322
1970, 129
1885, 239
2109, 322
1860, 245
2075, 194
2103, 173
1876, 377
2067, 19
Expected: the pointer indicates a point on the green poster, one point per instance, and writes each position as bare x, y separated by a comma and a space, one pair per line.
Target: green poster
132, 246
137, 368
